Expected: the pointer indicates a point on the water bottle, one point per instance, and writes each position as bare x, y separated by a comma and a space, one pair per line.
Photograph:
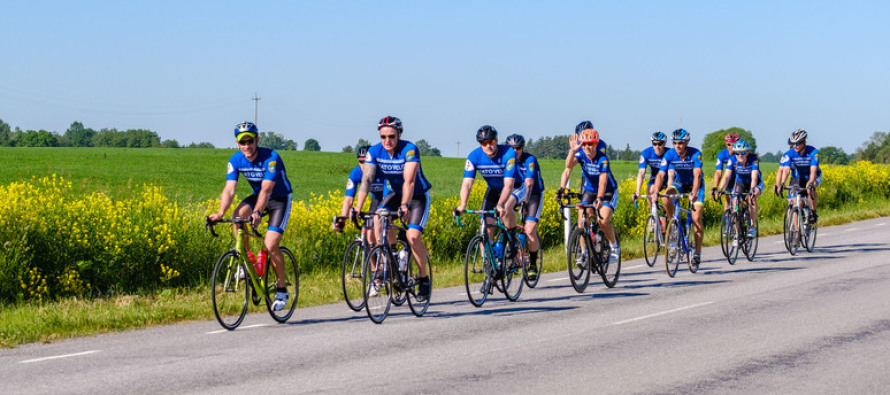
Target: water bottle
260, 264
498, 249
403, 260
521, 237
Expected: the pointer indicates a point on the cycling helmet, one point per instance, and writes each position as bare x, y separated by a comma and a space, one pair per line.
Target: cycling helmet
741, 147
516, 140
731, 137
390, 121
486, 132
659, 137
245, 127
589, 136
362, 152
798, 136
584, 125
681, 135
789, 141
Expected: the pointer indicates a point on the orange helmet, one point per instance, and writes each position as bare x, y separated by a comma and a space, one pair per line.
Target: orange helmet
589, 136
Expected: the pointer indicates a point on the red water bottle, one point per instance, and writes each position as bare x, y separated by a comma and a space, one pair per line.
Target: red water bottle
260, 264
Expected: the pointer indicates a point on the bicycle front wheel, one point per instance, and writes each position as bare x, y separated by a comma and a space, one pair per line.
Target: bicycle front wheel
725, 229
418, 306
734, 239
673, 247
231, 290
579, 260
377, 284
792, 230
651, 240
477, 271
351, 276
609, 269
751, 242
291, 283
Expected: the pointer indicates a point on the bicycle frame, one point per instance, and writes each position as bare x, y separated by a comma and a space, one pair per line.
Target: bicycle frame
488, 251
258, 282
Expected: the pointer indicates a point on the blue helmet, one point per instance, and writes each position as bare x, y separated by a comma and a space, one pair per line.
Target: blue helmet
741, 147
659, 136
246, 127
681, 135
584, 125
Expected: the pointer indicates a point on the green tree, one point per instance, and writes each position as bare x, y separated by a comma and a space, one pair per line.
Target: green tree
425, 149
78, 136
170, 144
40, 138
311, 145
876, 149
714, 143
361, 143
200, 145
347, 149
555, 147
771, 157
276, 141
6, 136
833, 155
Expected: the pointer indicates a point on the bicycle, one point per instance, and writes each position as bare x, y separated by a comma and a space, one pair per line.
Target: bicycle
398, 278
588, 247
797, 218
653, 233
231, 288
680, 242
351, 269
737, 238
495, 264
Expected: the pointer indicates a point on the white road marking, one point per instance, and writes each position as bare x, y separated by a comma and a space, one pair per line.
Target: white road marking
557, 279
851, 229
881, 224
59, 356
634, 267
242, 327
662, 313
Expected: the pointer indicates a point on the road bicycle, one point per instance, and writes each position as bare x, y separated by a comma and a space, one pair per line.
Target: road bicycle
679, 241
736, 237
236, 280
390, 276
588, 247
653, 233
797, 229
495, 260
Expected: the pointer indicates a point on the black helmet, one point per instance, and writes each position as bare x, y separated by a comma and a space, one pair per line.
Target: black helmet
584, 125
515, 140
486, 132
362, 152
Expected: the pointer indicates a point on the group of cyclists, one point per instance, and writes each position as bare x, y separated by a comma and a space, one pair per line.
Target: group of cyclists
391, 173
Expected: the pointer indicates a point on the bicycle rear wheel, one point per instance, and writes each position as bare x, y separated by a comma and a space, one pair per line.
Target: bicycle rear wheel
609, 271
413, 282
511, 262
351, 276
811, 233
377, 284
477, 271
291, 282
651, 241
672, 248
578, 259
725, 227
231, 290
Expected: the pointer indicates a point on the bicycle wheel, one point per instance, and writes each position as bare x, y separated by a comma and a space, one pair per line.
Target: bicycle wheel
377, 284
751, 243
477, 271
725, 228
792, 229
811, 234
609, 271
511, 265
651, 241
291, 282
578, 259
399, 295
231, 290
412, 280
351, 276
531, 283
672, 247
734, 239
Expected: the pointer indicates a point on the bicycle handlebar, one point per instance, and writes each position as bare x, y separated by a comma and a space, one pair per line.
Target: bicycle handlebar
477, 212
568, 196
208, 225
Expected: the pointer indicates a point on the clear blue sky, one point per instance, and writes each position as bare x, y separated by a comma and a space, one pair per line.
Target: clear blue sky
330, 69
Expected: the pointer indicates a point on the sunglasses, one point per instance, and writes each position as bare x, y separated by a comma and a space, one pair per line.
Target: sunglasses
486, 143
797, 143
387, 137
658, 144
679, 143
246, 142
742, 154
588, 144
729, 144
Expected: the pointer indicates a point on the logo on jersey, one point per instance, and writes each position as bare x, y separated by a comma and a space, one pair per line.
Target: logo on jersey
409, 155
350, 184
510, 164
469, 166
272, 165
784, 159
531, 166
642, 159
229, 168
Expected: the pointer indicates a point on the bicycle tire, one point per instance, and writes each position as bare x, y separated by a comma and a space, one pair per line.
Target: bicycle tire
651, 241
725, 225
399, 295
291, 282
511, 265
609, 271
733, 240
351, 276
377, 304
793, 221
413, 280
477, 271
579, 260
672, 248
230, 291
751, 243
811, 233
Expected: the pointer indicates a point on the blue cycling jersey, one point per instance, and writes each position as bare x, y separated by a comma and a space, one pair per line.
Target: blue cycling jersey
378, 189
391, 168
743, 173
723, 158
682, 167
800, 163
591, 169
529, 169
266, 166
493, 170
651, 159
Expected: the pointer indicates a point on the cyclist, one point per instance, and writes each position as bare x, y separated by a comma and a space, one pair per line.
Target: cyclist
573, 143
801, 162
683, 168
599, 184
397, 162
497, 165
378, 191
723, 158
651, 157
529, 195
264, 171
744, 167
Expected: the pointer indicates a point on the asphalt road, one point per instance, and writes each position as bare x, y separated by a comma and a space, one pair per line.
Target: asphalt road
813, 323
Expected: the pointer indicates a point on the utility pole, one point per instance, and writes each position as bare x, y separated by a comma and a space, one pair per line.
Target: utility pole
256, 107
458, 148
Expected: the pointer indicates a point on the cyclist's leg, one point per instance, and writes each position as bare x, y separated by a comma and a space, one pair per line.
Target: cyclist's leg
279, 212
243, 210
532, 216
417, 217
813, 196
697, 214
606, 211
752, 203
668, 203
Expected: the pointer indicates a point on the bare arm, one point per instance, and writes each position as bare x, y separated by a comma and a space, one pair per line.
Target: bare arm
465, 188
410, 175
225, 200
640, 180
570, 164
696, 183
368, 173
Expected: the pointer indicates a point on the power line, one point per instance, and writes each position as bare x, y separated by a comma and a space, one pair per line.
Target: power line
256, 107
